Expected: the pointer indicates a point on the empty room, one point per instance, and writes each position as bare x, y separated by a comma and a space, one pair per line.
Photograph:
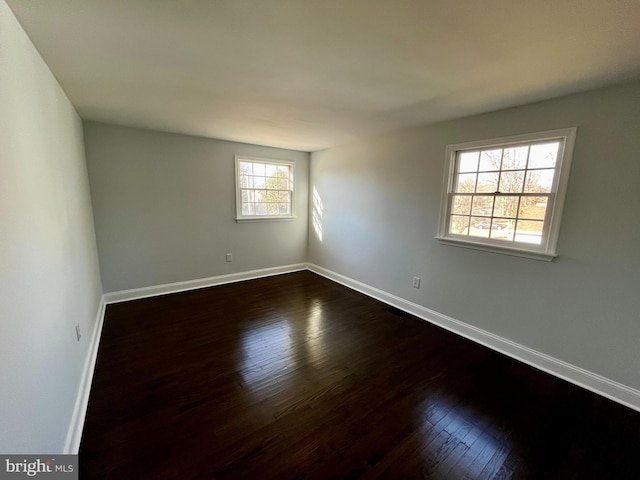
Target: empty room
287, 239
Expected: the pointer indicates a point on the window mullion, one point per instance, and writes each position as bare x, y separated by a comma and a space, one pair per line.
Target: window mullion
535, 214
271, 173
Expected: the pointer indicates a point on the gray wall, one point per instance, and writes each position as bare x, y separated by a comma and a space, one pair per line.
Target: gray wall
49, 277
164, 207
381, 200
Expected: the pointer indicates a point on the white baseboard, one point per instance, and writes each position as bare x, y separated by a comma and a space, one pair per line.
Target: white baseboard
145, 292
74, 434
591, 381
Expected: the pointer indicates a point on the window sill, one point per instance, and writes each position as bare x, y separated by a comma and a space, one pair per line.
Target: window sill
515, 252
265, 219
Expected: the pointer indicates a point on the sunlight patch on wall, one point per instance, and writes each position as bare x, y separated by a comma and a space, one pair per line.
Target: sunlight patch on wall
316, 215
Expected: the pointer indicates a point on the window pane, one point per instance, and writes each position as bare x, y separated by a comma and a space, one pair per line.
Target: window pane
247, 209
515, 158
261, 208
258, 182
528, 231
244, 181
283, 208
502, 229
480, 227
258, 169
283, 184
267, 196
468, 162
270, 170
490, 160
458, 224
246, 168
270, 183
533, 208
543, 155
511, 182
488, 182
284, 197
466, 183
506, 206
482, 205
461, 204
539, 181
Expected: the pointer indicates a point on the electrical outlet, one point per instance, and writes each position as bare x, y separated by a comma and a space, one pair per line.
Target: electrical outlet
229, 257
78, 335
416, 282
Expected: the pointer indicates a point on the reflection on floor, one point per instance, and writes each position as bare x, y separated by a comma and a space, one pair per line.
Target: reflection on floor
295, 376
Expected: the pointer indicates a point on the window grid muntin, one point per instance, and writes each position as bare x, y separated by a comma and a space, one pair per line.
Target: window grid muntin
248, 205
517, 218
523, 185
563, 155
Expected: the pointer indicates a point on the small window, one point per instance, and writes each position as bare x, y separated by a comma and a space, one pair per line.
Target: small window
506, 195
264, 189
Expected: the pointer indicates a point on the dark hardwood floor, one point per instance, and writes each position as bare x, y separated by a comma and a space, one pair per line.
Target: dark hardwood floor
295, 376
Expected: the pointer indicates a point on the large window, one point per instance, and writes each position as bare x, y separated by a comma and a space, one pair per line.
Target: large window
264, 189
506, 195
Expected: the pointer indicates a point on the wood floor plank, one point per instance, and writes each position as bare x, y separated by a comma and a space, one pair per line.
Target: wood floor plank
295, 376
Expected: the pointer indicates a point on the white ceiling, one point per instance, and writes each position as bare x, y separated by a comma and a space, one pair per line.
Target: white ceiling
310, 74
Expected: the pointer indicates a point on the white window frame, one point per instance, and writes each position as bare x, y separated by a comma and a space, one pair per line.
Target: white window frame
264, 218
555, 203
